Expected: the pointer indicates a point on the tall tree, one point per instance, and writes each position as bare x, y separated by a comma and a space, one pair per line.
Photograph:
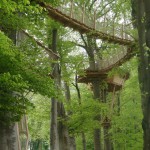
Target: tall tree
90, 47
54, 136
141, 14
18, 76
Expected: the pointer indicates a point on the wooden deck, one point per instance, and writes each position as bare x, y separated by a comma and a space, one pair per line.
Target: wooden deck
90, 76
114, 83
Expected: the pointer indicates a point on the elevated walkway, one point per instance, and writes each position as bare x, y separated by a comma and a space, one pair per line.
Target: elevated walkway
76, 18
70, 15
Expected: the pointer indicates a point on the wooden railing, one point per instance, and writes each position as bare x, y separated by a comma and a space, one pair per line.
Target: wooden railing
71, 15
112, 60
79, 19
103, 25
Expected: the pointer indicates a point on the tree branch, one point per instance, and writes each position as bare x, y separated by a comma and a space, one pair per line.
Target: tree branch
83, 40
50, 52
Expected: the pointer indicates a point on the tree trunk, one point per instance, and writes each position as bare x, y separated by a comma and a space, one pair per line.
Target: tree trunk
107, 141
79, 101
118, 104
54, 139
71, 138
54, 143
90, 47
97, 132
59, 131
92, 66
62, 128
144, 68
83, 141
72, 143
8, 137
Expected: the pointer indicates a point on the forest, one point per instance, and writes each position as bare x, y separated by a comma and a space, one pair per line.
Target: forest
74, 75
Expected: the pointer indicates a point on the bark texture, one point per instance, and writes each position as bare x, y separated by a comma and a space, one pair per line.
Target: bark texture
54, 143
59, 138
107, 136
143, 26
54, 138
145, 66
107, 140
91, 48
62, 129
79, 101
83, 141
8, 137
71, 138
97, 132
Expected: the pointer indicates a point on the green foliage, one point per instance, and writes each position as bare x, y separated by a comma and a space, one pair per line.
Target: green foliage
11, 97
18, 76
12, 85
37, 68
39, 118
83, 116
89, 141
14, 13
126, 128
122, 72
53, 2
26, 68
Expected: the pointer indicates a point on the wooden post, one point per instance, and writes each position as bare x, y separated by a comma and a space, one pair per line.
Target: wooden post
113, 29
118, 57
113, 99
104, 23
83, 13
112, 60
71, 9
122, 31
94, 19
108, 63
126, 36
122, 50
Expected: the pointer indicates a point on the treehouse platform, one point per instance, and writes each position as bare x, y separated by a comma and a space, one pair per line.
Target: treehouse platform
91, 76
114, 83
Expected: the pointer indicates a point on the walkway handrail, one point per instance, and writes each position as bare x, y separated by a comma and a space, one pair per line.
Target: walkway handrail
76, 18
